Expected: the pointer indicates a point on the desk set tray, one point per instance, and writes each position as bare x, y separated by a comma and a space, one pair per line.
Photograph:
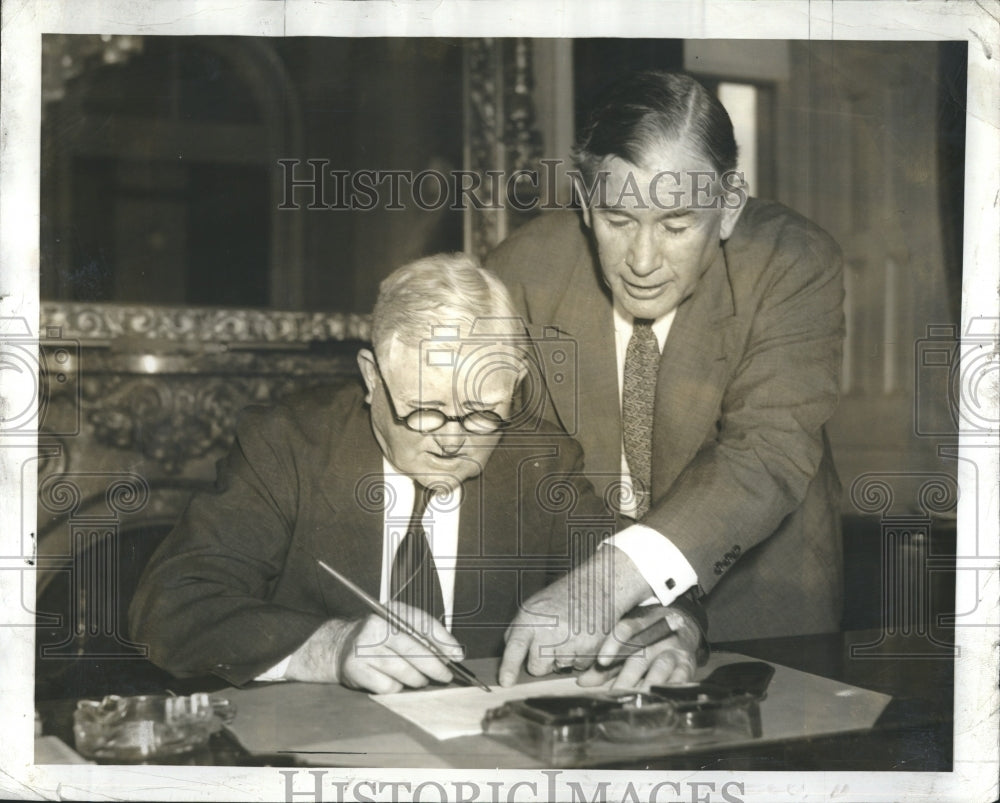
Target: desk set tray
579, 730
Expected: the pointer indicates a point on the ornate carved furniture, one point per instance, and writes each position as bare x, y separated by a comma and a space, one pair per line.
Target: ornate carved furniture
139, 404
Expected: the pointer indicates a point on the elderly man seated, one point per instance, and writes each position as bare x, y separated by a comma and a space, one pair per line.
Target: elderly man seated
426, 487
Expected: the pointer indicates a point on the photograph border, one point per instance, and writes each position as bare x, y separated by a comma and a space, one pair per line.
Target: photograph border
976, 719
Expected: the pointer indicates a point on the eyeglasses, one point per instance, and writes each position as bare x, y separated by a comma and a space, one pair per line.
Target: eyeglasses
426, 420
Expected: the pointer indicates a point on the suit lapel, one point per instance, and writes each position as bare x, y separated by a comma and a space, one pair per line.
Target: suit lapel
488, 538
349, 534
487, 526
468, 590
585, 311
693, 371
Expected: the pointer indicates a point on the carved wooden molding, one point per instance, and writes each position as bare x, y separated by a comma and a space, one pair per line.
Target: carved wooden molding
501, 128
180, 412
176, 420
168, 383
89, 322
522, 139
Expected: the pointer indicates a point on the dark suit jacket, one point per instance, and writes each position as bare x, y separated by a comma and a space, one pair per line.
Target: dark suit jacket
236, 587
743, 481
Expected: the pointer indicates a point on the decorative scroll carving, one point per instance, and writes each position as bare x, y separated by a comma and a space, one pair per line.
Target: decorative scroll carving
177, 419
105, 322
169, 382
171, 422
500, 128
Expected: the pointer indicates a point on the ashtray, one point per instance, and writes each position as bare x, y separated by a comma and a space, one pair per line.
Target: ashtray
145, 728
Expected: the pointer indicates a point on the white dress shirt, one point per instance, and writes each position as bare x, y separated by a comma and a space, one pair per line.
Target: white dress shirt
441, 525
660, 563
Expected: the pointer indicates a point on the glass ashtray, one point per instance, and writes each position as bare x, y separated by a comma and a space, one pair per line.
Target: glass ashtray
147, 727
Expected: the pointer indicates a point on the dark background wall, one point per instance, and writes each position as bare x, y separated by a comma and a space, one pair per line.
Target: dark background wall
160, 174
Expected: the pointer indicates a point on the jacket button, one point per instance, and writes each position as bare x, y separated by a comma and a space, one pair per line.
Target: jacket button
718, 568
736, 549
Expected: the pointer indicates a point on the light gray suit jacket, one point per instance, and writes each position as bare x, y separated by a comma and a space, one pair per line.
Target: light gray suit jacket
743, 480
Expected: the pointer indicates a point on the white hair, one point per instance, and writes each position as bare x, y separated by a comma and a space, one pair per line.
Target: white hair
443, 290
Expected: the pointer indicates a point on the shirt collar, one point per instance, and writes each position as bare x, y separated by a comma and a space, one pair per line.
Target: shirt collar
661, 326
404, 486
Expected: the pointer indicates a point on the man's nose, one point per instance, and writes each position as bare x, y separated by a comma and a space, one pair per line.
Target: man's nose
450, 438
644, 254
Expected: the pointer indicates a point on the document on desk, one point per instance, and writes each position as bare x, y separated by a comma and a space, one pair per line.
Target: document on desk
459, 711
798, 704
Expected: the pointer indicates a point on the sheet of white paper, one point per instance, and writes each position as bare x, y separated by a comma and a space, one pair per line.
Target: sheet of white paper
452, 712
797, 705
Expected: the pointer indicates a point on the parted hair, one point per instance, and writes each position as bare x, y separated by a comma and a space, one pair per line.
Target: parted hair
636, 113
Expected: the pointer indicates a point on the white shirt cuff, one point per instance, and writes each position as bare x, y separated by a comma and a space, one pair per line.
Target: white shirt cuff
276, 672
660, 563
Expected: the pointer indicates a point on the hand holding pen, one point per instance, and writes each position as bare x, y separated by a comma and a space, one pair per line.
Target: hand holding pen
386, 651
370, 654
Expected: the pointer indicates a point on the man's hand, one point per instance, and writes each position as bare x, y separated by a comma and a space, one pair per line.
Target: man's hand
371, 654
670, 660
566, 624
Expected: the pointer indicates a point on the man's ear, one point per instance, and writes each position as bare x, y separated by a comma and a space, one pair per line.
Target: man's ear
366, 362
735, 192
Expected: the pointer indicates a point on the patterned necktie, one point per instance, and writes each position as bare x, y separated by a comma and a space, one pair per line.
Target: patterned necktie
642, 361
414, 579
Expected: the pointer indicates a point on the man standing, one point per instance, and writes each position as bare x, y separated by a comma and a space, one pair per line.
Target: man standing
709, 329
423, 487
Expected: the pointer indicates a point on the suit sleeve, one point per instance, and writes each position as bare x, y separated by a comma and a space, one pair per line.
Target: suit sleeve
202, 604
769, 443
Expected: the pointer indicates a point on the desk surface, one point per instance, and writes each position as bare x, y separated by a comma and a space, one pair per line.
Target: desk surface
336, 726
913, 733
